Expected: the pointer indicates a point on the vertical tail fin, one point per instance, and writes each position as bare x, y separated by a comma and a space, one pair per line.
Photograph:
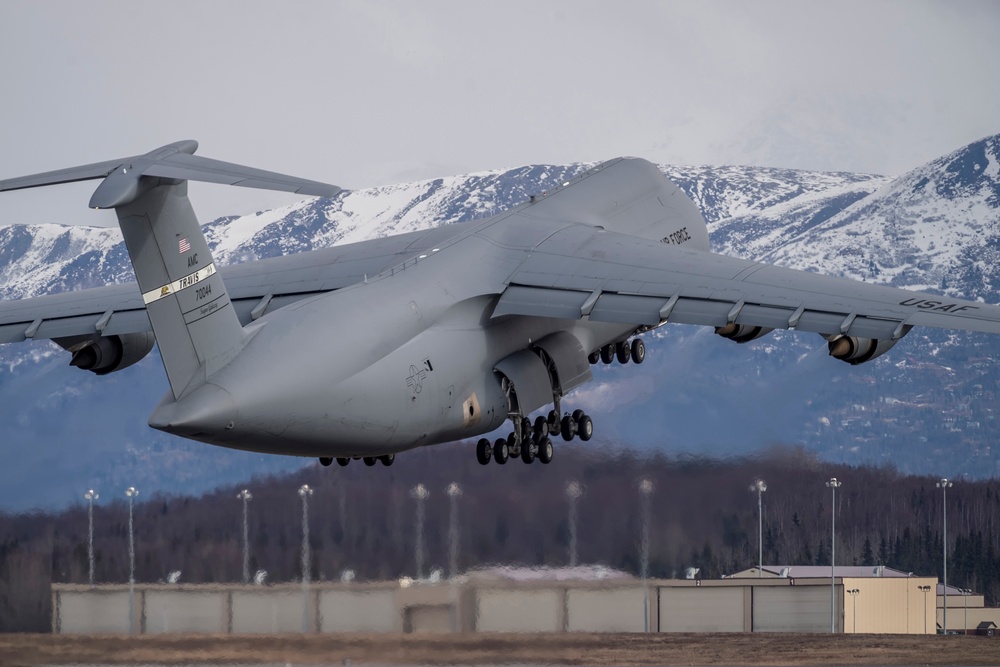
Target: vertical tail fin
196, 328
195, 325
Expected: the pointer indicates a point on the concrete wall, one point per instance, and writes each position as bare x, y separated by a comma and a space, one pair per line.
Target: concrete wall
185, 611
702, 609
519, 610
794, 609
605, 609
261, 611
358, 611
91, 612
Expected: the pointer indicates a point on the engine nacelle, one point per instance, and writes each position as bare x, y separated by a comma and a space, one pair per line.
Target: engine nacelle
106, 354
855, 350
742, 333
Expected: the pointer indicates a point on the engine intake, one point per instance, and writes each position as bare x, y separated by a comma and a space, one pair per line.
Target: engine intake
855, 350
742, 333
106, 354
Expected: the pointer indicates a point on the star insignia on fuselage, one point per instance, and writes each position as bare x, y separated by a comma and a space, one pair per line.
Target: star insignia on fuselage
417, 376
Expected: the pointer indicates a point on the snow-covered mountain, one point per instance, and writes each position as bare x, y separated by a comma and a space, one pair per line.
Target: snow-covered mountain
935, 228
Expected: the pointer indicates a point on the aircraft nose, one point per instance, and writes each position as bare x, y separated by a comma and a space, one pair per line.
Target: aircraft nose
208, 411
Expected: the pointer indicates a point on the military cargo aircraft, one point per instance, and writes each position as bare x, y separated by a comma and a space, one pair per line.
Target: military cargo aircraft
364, 350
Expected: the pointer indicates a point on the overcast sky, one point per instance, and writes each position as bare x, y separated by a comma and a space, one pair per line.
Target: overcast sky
369, 93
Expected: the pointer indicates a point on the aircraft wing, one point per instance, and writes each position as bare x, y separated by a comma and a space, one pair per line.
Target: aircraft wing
255, 288
610, 277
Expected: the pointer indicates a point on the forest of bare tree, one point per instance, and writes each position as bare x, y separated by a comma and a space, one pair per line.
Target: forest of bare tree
363, 519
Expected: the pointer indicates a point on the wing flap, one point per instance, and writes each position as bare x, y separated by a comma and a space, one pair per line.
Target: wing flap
541, 302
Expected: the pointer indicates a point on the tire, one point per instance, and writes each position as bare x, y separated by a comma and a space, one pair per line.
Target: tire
370, 460
325, 461
387, 459
484, 451
594, 357
545, 450
541, 427
568, 428
608, 353
577, 415
586, 428
623, 352
528, 450
638, 351
343, 460
500, 451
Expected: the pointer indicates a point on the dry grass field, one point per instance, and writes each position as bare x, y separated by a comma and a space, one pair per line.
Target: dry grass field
561, 649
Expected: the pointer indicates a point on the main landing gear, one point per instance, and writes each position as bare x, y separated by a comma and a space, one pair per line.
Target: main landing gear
385, 459
531, 441
623, 351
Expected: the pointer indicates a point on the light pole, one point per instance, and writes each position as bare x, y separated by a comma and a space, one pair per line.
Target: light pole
944, 484
573, 493
759, 486
90, 496
453, 491
420, 493
924, 590
245, 496
131, 493
853, 592
304, 493
645, 491
833, 484
966, 592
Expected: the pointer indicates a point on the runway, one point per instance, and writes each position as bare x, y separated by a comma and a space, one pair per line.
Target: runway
498, 649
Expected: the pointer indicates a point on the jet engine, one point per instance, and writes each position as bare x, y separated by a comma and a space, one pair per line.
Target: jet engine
742, 333
106, 354
855, 350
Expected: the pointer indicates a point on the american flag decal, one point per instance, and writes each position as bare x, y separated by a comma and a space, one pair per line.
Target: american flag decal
183, 246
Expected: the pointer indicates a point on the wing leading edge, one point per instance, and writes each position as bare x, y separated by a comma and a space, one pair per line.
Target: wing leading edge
608, 277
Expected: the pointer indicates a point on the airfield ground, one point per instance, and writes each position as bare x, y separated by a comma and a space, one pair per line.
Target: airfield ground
568, 649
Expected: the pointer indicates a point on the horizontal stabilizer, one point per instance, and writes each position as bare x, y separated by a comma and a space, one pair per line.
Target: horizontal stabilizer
72, 175
176, 161
186, 167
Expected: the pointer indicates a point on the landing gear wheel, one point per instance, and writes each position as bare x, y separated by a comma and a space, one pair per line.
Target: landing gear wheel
568, 428
325, 461
528, 451
553, 422
545, 450
500, 451
387, 459
484, 451
594, 357
586, 428
623, 352
541, 427
577, 415
343, 460
370, 461
608, 353
638, 351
